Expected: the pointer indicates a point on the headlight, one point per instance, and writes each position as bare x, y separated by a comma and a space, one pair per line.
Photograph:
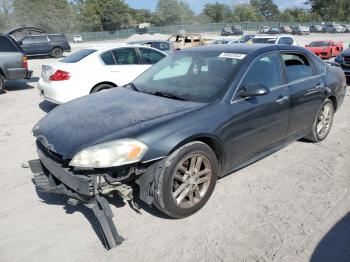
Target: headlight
110, 154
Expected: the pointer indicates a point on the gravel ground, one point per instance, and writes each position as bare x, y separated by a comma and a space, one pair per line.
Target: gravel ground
291, 206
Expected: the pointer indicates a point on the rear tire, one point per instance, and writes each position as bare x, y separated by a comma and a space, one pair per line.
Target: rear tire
101, 87
323, 122
2, 83
186, 180
57, 52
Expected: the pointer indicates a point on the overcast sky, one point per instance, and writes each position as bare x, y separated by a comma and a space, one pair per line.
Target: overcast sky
197, 5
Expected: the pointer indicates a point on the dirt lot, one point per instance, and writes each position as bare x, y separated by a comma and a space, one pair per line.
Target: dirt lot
291, 206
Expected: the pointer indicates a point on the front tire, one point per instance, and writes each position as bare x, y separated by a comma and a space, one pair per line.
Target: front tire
323, 122
186, 180
101, 87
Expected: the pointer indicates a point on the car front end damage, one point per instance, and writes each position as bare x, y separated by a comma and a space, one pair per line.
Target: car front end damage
89, 187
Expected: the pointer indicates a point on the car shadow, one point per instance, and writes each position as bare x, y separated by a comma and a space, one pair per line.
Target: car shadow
17, 85
335, 245
47, 106
62, 200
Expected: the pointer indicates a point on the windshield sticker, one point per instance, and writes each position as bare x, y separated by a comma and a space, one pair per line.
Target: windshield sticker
232, 55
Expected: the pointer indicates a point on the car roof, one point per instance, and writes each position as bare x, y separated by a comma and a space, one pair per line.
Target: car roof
146, 41
244, 48
102, 48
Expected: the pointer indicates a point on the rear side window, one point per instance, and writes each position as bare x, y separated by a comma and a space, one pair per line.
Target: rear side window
150, 56
266, 65
298, 67
285, 41
28, 40
108, 58
77, 56
6, 45
125, 56
39, 39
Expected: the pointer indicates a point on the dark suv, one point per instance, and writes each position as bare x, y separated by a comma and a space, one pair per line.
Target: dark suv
50, 44
13, 63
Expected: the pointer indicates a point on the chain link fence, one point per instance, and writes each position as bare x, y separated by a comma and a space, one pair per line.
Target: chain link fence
199, 28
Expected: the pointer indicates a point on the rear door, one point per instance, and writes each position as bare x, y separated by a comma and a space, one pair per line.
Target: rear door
259, 123
42, 44
306, 86
123, 64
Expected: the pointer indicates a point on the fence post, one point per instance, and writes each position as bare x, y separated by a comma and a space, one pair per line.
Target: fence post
214, 27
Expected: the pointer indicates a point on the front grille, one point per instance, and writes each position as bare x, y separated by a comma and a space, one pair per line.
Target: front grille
347, 60
52, 155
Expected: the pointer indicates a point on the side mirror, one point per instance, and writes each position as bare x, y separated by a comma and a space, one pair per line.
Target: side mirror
253, 90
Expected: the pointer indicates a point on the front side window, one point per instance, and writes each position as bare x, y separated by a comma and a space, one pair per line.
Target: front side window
199, 77
150, 56
297, 66
265, 71
125, 56
28, 40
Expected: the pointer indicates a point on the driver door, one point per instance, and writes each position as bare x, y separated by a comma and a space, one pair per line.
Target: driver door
258, 123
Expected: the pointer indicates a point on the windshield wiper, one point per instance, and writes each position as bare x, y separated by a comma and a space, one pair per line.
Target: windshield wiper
167, 95
133, 87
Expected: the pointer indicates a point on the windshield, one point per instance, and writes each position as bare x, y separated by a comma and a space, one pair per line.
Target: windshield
199, 77
319, 43
263, 40
77, 56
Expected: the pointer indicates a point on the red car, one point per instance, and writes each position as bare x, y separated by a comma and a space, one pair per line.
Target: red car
325, 49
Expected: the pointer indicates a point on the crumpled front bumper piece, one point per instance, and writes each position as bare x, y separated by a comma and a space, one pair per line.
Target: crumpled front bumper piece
51, 177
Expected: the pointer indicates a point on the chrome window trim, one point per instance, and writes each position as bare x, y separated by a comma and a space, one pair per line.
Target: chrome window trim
245, 73
277, 87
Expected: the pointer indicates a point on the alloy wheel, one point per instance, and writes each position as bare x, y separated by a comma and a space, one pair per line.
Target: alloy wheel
324, 120
191, 180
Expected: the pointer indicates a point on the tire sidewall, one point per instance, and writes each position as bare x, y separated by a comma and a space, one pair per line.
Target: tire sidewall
318, 138
57, 55
167, 203
101, 87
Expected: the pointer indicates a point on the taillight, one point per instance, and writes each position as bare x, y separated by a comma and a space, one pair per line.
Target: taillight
60, 75
25, 62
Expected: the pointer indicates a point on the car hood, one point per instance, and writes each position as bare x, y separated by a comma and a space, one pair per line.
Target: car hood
346, 52
105, 116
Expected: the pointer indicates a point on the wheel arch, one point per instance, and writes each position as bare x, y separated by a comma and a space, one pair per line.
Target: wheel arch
102, 83
334, 101
210, 140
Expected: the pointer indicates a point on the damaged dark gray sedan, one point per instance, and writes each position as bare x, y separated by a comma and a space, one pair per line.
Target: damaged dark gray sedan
197, 115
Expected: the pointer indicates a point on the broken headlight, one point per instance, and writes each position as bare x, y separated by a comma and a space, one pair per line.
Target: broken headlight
110, 154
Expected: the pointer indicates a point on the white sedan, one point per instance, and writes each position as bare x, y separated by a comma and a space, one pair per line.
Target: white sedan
94, 69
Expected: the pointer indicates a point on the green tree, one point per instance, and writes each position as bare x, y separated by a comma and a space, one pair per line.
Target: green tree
107, 15
245, 12
174, 12
266, 9
50, 15
331, 10
217, 12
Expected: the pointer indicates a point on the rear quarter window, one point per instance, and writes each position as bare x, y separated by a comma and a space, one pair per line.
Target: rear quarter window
77, 56
6, 45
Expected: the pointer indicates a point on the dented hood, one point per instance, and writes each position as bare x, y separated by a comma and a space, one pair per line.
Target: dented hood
105, 116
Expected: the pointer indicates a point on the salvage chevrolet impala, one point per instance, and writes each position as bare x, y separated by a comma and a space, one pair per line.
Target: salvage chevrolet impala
196, 115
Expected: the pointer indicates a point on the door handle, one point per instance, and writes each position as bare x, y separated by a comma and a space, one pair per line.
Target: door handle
282, 100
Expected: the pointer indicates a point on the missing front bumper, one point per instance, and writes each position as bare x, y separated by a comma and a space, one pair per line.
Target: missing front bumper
50, 178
